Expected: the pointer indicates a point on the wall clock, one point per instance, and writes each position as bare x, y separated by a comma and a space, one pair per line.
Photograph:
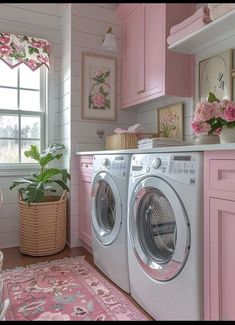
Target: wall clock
215, 76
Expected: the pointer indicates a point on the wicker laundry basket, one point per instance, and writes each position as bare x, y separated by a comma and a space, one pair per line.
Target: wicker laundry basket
43, 226
126, 140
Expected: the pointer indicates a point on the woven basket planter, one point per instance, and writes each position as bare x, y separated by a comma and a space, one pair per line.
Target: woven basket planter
43, 226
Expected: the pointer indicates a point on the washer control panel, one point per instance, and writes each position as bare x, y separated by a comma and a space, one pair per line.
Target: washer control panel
182, 167
119, 165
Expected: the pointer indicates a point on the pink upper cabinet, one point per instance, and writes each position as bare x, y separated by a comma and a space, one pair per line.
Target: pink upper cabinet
148, 69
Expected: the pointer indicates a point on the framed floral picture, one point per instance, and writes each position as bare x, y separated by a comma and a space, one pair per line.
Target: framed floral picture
98, 87
170, 121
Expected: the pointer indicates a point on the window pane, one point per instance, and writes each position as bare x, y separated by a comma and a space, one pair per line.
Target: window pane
30, 127
9, 151
28, 78
8, 98
8, 76
9, 127
30, 100
25, 145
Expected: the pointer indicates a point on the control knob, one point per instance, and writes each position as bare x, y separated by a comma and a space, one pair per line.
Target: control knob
105, 162
156, 162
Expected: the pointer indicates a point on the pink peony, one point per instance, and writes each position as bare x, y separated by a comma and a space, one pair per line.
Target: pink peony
32, 64
42, 58
5, 39
229, 113
200, 127
203, 111
39, 43
99, 100
5, 49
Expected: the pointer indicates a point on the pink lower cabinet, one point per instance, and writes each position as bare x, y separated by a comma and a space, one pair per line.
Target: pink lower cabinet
85, 177
219, 235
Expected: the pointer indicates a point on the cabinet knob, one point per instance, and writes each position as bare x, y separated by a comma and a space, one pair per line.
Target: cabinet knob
140, 91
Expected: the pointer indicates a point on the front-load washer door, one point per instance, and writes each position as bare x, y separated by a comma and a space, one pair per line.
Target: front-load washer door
159, 229
106, 208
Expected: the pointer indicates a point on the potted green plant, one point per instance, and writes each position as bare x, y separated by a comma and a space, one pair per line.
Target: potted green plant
42, 213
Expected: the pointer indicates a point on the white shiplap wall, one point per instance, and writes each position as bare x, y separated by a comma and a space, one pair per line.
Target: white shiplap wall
39, 20
64, 130
89, 25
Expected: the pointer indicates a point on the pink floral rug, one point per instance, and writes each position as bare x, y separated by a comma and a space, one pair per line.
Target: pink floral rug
66, 289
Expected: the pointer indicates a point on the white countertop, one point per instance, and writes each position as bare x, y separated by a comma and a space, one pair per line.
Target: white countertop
185, 148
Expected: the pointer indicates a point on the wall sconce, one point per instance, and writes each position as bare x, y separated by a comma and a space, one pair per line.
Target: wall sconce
109, 42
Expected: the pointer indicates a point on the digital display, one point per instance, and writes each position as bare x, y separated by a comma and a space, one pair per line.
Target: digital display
119, 158
137, 168
182, 158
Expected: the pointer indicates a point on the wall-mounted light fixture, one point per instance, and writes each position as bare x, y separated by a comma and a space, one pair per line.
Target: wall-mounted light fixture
109, 42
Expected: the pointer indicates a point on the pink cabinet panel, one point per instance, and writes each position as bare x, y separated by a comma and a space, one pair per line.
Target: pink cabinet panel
154, 52
219, 239
148, 69
222, 174
222, 259
85, 178
133, 55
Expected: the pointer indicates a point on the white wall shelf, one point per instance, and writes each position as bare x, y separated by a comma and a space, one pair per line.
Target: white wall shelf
208, 35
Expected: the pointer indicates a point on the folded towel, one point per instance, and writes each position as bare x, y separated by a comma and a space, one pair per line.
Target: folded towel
202, 13
159, 141
194, 26
219, 10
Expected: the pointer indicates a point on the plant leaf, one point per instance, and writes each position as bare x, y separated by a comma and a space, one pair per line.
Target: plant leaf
61, 184
212, 98
33, 153
48, 174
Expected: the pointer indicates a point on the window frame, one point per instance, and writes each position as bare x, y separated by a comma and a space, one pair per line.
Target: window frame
42, 114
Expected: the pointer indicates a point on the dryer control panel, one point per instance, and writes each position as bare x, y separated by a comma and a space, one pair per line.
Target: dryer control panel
183, 167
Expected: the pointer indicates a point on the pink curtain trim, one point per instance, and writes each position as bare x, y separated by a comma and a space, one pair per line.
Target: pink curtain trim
17, 64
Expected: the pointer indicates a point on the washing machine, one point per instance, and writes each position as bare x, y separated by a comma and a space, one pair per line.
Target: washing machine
165, 234
109, 216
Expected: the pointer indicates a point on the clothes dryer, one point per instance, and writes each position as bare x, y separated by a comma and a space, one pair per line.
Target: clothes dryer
165, 234
109, 216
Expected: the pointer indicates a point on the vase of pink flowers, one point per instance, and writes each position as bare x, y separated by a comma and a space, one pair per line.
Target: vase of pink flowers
214, 118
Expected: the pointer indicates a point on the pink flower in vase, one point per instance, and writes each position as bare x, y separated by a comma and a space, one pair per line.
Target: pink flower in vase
229, 113
200, 127
98, 100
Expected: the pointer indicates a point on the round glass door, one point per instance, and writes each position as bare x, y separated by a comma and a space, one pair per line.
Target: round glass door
159, 228
106, 209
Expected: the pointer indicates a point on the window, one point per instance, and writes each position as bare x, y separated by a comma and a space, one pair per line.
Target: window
22, 111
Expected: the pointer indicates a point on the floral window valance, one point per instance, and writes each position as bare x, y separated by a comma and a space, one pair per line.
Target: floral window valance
16, 49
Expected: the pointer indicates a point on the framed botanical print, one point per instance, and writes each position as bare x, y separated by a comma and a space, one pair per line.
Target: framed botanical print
215, 76
170, 121
98, 87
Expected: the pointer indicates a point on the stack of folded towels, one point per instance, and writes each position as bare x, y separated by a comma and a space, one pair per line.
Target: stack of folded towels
219, 9
191, 24
158, 142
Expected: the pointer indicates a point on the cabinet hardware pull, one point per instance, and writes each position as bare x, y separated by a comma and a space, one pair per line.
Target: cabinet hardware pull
140, 91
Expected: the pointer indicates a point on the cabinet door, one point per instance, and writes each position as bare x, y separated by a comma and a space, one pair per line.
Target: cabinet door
132, 56
222, 259
85, 209
154, 49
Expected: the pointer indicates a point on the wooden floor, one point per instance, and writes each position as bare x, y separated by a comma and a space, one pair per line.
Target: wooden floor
13, 258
